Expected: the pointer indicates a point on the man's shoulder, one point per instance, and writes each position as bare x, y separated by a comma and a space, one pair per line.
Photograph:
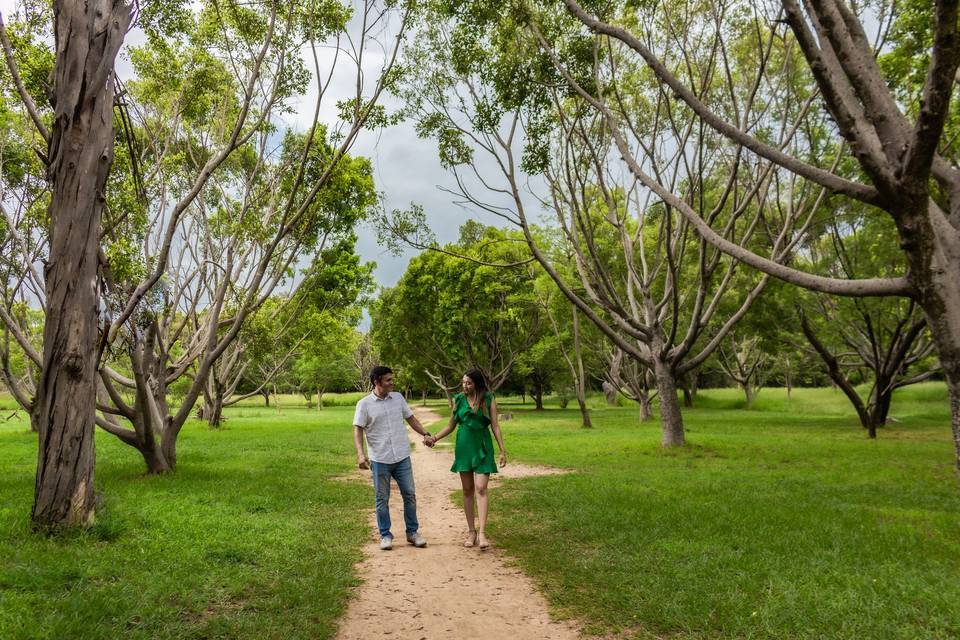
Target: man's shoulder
364, 400
396, 395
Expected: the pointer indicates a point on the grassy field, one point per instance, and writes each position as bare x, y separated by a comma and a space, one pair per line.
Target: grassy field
252, 537
784, 521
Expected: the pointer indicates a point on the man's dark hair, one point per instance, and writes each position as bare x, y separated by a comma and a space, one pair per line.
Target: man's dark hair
378, 372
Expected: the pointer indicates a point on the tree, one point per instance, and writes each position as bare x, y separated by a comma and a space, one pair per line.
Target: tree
326, 361
882, 341
331, 288
87, 39
641, 275
448, 314
541, 364
896, 120
629, 377
265, 345
208, 211
365, 357
745, 362
569, 340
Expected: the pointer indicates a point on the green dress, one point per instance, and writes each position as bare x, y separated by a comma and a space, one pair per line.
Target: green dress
474, 449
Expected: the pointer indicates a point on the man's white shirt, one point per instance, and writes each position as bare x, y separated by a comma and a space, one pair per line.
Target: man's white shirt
383, 422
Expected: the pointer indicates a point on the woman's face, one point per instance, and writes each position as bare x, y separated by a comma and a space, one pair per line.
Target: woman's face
467, 384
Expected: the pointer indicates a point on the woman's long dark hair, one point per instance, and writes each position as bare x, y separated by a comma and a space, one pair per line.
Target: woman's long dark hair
479, 387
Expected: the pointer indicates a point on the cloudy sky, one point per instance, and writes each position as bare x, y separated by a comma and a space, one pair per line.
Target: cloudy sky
406, 168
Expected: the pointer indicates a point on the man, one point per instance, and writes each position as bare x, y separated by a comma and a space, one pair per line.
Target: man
380, 417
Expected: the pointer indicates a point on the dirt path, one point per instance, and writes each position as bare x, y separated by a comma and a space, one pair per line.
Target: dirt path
444, 590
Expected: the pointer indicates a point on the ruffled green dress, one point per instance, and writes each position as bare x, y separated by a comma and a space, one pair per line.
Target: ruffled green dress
474, 448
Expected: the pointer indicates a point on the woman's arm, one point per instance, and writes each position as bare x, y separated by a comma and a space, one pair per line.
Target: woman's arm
495, 427
451, 425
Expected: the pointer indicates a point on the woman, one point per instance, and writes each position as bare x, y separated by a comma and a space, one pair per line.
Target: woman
475, 412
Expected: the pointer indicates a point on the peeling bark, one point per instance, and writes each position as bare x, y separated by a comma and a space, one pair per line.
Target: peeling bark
88, 37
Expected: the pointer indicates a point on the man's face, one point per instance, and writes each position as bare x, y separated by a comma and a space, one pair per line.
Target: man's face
385, 384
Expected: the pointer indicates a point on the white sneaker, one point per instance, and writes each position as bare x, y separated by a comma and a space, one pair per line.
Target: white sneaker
416, 540
386, 543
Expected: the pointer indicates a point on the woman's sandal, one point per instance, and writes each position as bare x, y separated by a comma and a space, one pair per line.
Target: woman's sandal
485, 544
472, 540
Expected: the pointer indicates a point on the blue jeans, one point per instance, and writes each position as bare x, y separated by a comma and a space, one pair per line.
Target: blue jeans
402, 472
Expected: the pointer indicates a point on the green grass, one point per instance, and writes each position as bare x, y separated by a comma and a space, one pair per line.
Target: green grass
251, 537
298, 401
784, 521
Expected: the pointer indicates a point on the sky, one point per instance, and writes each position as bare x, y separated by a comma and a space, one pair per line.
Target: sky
406, 168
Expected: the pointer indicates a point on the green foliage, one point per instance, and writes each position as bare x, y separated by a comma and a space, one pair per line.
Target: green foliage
165, 18
34, 58
336, 279
183, 82
908, 55
326, 361
447, 314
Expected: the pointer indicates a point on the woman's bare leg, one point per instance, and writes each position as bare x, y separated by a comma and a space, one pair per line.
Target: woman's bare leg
481, 493
466, 481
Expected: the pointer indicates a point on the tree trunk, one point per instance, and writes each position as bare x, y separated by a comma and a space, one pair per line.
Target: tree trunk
88, 37
880, 407
837, 379
213, 405
954, 391
154, 459
932, 247
584, 412
580, 382
538, 395
610, 393
748, 392
671, 421
687, 396
646, 410
319, 399
423, 398
215, 415
788, 378
266, 398
168, 446
147, 444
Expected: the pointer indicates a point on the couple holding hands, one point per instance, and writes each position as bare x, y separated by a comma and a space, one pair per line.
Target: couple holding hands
380, 416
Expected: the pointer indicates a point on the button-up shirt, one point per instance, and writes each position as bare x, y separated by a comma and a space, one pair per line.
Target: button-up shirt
382, 420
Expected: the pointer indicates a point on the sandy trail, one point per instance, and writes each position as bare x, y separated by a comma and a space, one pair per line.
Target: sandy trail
444, 590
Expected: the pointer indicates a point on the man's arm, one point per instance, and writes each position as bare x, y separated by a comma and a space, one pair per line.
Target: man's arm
411, 418
416, 426
362, 461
